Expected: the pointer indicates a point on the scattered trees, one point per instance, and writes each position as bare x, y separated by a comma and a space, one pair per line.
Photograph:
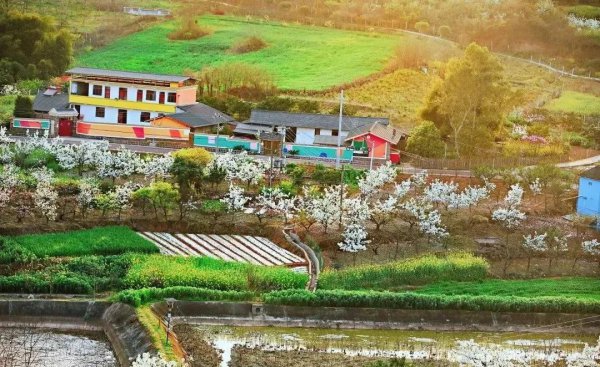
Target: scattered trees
425, 140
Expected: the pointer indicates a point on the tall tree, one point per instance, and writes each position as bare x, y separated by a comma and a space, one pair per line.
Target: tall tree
470, 101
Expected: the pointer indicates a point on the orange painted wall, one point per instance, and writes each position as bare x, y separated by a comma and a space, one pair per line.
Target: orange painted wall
186, 96
130, 131
167, 122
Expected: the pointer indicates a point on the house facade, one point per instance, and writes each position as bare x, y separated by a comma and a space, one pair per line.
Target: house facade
127, 98
588, 200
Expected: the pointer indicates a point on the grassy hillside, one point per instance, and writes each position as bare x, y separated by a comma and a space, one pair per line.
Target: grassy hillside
575, 102
298, 57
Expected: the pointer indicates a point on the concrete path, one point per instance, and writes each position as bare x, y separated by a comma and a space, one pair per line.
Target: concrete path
581, 162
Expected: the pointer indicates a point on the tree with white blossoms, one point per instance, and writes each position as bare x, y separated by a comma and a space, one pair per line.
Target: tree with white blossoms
240, 167
375, 179
158, 166
356, 212
9, 179
419, 179
275, 201
88, 190
440, 192
123, 195
148, 360
534, 244
45, 196
79, 156
592, 248
510, 217
383, 211
235, 199
120, 164
429, 221
325, 208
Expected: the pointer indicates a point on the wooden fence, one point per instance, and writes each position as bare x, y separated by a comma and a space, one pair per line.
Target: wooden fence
474, 161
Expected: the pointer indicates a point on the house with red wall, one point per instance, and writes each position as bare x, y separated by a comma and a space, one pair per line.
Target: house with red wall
377, 140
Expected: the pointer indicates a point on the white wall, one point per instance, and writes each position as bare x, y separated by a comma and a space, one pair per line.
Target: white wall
89, 114
325, 132
305, 135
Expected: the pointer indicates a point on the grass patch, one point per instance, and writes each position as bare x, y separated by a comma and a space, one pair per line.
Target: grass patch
298, 57
417, 301
156, 331
575, 102
585, 11
112, 240
396, 275
579, 288
203, 272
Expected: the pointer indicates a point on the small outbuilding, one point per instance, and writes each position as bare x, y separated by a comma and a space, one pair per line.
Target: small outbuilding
377, 140
588, 200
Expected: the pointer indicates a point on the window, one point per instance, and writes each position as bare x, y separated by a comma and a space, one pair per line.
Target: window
317, 131
144, 116
100, 111
123, 93
140, 95
334, 133
172, 98
150, 95
97, 90
107, 92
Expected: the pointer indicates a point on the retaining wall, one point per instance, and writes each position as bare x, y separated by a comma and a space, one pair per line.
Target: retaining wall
119, 322
378, 318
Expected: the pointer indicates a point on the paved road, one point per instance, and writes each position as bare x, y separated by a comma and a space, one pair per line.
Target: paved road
581, 162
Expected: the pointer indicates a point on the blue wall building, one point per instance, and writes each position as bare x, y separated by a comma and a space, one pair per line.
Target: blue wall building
588, 201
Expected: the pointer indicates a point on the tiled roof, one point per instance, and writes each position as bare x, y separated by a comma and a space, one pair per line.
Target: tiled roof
326, 140
310, 120
388, 133
199, 115
593, 173
127, 75
44, 103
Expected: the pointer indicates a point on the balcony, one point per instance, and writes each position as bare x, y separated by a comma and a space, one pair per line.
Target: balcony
122, 104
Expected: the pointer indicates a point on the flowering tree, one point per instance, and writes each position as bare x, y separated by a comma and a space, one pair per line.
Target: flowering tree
534, 244
240, 167
80, 155
88, 190
275, 201
157, 166
383, 211
45, 198
592, 248
355, 213
375, 179
325, 208
510, 217
235, 199
439, 192
9, 179
119, 164
123, 195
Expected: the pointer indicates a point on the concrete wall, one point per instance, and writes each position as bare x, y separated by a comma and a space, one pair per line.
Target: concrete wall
375, 318
119, 322
588, 202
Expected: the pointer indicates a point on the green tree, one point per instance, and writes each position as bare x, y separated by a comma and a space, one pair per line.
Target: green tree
188, 169
31, 46
162, 195
23, 107
425, 140
471, 100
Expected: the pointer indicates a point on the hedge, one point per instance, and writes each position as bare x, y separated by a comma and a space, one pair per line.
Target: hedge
415, 301
458, 266
142, 296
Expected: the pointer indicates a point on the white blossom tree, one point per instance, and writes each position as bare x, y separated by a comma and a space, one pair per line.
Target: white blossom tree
325, 208
9, 179
120, 164
375, 179
235, 199
510, 217
81, 155
45, 199
88, 190
592, 248
148, 360
534, 244
158, 166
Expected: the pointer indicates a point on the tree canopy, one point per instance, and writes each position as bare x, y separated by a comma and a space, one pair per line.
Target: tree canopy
425, 140
31, 46
470, 101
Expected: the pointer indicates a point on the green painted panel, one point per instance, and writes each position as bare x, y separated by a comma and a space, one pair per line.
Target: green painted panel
224, 142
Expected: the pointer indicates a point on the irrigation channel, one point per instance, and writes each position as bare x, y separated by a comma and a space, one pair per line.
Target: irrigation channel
33, 347
240, 346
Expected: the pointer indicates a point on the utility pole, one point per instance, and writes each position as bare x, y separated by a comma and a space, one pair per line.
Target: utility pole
339, 142
372, 155
218, 117
338, 157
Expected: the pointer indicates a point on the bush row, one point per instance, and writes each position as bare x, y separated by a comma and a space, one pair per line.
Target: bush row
142, 296
421, 270
408, 300
168, 271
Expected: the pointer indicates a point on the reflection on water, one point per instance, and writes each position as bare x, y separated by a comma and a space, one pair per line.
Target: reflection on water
392, 343
31, 347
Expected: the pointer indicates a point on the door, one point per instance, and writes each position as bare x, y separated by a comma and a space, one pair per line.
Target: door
123, 93
65, 127
122, 117
161, 97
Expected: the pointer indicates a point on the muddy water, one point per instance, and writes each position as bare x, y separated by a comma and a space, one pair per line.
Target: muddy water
30, 347
388, 343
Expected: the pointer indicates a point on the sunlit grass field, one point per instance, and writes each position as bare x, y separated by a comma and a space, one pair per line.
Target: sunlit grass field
576, 102
298, 57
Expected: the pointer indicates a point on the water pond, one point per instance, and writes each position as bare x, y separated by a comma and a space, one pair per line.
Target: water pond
32, 347
431, 345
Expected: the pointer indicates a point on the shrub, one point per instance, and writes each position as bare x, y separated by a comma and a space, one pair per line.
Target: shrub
142, 296
425, 140
23, 107
415, 301
249, 44
39, 158
420, 270
188, 30
112, 240
13, 253
514, 148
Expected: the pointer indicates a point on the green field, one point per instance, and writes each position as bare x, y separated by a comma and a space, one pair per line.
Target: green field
298, 57
579, 288
575, 102
113, 240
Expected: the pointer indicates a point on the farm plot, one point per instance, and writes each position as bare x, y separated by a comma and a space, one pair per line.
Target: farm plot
246, 249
